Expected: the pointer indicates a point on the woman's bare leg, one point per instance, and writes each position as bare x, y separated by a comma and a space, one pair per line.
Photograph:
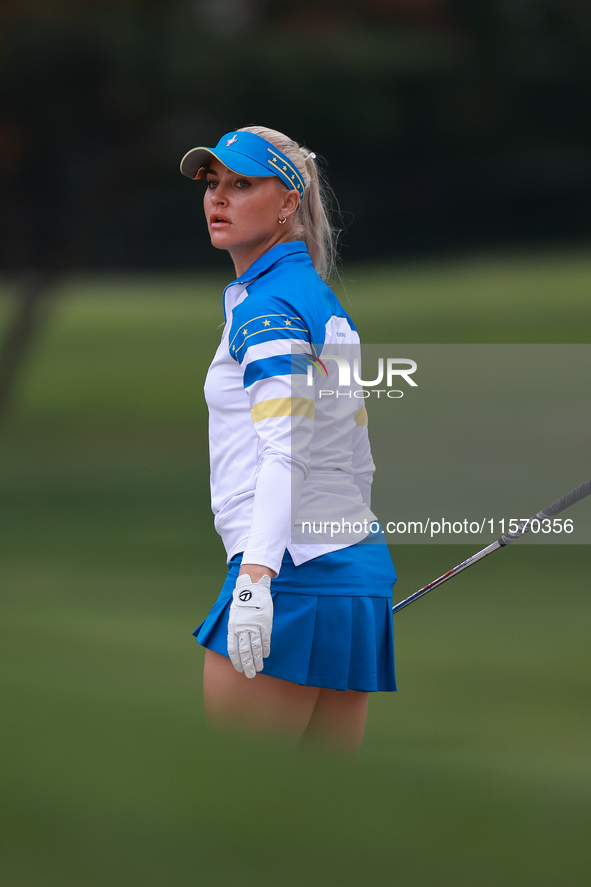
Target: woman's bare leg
262, 704
339, 718
266, 704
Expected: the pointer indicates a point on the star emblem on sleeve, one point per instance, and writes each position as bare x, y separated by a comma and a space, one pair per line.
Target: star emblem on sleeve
288, 323
266, 323
244, 332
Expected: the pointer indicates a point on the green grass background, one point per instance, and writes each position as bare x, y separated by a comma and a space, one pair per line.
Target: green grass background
477, 772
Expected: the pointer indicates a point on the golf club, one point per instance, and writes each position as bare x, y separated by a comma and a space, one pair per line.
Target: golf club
558, 506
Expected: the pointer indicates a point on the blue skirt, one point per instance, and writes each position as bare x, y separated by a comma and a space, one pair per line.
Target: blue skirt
332, 623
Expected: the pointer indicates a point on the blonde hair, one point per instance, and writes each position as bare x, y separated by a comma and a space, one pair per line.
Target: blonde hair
311, 222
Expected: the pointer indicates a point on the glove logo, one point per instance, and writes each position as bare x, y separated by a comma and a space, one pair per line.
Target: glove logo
245, 596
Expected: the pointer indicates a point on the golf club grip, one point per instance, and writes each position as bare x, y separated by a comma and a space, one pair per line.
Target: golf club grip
556, 507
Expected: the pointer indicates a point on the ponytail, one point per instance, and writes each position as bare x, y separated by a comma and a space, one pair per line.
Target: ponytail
311, 221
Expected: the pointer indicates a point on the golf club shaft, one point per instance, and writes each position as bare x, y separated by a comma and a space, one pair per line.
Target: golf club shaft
565, 502
467, 563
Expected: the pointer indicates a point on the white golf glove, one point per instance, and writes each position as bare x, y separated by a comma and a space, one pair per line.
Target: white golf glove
250, 624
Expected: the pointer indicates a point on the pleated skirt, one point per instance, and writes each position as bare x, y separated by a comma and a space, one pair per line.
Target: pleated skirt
332, 623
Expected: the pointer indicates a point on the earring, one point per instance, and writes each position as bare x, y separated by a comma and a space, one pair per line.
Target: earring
282, 221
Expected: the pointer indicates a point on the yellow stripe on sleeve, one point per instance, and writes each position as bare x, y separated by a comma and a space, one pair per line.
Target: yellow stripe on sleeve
283, 406
361, 416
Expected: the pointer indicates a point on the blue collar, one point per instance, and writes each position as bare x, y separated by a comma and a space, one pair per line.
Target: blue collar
271, 257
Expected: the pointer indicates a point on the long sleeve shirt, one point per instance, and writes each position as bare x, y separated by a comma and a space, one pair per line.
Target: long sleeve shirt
288, 454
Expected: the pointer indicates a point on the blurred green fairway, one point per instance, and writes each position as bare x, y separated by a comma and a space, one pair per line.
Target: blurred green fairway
476, 773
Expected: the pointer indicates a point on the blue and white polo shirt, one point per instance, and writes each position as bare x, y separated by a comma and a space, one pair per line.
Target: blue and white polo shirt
286, 456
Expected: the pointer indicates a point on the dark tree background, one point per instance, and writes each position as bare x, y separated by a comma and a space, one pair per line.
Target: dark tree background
445, 124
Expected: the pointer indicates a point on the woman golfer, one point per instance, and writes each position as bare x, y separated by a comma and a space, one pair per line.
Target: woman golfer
301, 632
